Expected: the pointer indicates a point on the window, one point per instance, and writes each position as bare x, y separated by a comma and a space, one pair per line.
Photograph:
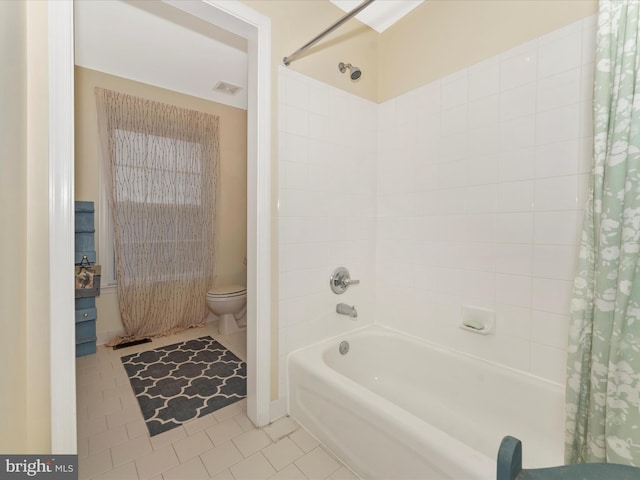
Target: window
170, 181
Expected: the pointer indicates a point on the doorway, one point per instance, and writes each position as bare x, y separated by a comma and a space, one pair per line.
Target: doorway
256, 29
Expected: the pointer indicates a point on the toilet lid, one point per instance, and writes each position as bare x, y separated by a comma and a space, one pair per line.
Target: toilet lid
228, 290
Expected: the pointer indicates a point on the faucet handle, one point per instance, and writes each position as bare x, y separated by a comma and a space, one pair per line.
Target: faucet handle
341, 280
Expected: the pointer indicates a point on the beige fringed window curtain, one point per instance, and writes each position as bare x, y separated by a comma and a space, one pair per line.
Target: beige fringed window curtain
161, 164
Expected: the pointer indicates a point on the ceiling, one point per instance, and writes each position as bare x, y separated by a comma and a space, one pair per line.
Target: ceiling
154, 43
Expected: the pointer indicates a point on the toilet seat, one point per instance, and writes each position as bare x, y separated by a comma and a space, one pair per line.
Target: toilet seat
227, 291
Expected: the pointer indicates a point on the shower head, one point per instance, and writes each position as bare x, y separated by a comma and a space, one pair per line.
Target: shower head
354, 72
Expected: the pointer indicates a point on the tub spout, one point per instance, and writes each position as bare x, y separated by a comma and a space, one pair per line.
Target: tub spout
344, 309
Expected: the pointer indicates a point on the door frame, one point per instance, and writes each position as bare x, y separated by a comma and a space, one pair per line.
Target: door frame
256, 29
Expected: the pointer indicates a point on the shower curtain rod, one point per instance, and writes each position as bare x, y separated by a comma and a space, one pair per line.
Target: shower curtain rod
355, 11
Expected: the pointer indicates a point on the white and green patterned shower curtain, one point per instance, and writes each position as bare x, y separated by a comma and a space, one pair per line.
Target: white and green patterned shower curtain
603, 368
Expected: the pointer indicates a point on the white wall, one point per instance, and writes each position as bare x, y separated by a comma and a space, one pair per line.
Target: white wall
482, 177
326, 208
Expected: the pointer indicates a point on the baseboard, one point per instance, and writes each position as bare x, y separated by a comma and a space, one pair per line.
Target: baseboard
105, 337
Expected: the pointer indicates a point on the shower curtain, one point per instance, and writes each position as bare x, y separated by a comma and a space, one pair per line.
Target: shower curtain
603, 367
161, 165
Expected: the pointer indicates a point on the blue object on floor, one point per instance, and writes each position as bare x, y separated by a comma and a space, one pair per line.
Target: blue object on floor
510, 467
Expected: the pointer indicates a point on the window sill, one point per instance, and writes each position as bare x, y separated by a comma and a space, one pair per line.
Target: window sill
109, 289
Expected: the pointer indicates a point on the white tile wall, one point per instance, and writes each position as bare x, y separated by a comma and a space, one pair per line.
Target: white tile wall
327, 199
486, 209
467, 190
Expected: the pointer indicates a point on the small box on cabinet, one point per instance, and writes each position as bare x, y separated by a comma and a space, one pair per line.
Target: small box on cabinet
87, 280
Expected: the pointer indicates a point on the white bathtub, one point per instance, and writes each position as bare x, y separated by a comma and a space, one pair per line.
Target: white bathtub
394, 407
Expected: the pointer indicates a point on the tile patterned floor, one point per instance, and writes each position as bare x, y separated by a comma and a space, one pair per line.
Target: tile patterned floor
113, 441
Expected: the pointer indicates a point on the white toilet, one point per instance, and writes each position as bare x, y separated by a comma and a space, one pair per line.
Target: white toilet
229, 304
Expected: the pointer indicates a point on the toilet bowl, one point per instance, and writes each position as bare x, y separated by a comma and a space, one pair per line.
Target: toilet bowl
228, 303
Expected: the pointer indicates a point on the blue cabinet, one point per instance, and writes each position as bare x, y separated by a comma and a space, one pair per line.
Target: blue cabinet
85, 256
85, 249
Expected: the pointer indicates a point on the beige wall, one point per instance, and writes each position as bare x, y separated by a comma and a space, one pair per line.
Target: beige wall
441, 37
38, 302
13, 213
295, 22
437, 38
231, 219
25, 416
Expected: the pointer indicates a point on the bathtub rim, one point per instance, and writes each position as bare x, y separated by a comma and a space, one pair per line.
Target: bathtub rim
378, 329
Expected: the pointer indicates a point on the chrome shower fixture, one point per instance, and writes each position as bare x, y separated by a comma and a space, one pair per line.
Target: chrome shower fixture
354, 72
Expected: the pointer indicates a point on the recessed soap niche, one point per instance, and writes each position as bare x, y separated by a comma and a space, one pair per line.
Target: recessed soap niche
478, 320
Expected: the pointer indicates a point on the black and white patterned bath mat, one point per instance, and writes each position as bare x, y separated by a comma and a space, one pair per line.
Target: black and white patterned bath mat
187, 380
